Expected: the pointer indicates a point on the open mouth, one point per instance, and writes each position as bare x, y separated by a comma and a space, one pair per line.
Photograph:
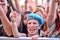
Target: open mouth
32, 30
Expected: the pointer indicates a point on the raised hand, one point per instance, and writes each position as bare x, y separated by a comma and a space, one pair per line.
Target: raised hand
35, 37
14, 16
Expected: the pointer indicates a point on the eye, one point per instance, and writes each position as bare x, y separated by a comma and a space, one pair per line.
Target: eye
29, 23
34, 23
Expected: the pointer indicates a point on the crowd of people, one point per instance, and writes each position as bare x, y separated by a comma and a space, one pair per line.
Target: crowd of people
29, 23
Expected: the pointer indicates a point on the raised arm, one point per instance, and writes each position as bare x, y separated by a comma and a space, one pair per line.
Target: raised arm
15, 29
52, 13
15, 19
6, 23
17, 4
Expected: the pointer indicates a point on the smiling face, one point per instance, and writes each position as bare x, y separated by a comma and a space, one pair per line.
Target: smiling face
3, 4
32, 26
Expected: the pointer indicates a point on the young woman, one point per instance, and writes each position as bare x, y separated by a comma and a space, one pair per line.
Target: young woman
34, 22
56, 31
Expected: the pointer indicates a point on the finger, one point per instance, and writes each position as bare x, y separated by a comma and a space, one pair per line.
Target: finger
15, 13
11, 9
12, 19
13, 16
33, 38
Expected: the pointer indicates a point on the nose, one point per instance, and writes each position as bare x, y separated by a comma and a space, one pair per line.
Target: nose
31, 25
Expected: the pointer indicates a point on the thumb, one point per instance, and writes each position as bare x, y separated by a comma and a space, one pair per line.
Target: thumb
11, 9
12, 19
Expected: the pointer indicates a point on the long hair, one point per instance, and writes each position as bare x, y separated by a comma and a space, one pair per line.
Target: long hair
24, 26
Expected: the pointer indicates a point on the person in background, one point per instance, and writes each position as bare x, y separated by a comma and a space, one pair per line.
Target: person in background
24, 21
56, 31
39, 11
50, 18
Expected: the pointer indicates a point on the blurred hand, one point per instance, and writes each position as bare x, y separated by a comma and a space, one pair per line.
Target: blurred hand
14, 16
35, 37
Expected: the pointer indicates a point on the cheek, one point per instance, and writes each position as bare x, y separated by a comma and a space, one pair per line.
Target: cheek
27, 26
25, 22
36, 27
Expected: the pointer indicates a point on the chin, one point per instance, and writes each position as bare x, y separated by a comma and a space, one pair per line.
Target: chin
32, 32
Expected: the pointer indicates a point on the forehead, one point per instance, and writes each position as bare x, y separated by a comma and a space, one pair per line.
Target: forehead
32, 20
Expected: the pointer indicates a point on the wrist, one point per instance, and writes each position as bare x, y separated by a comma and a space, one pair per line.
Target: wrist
13, 20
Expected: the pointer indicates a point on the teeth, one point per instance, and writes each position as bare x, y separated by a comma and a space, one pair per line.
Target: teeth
32, 29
